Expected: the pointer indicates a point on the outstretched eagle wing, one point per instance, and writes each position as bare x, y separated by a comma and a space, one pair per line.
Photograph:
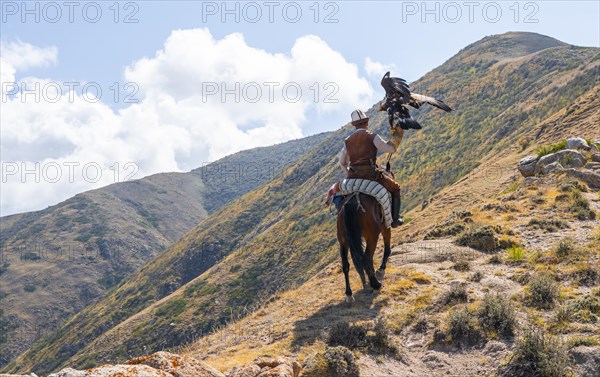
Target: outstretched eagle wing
419, 99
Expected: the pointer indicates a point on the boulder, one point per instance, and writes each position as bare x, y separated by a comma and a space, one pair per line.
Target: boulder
590, 177
267, 366
568, 158
552, 168
68, 372
586, 360
248, 370
176, 365
596, 157
527, 166
593, 165
113, 371
577, 143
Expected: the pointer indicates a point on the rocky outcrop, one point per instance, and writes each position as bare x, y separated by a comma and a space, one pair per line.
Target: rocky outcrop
113, 371
552, 168
176, 365
165, 364
267, 367
527, 166
590, 177
568, 158
576, 143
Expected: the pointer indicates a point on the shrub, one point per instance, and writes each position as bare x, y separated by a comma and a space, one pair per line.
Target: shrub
543, 291
547, 225
348, 335
495, 259
581, 207
516, 254
565, 247
462, 265
587, 341
497, 315
537, 354
456, 294
375, 338
461, 324
586, 274
29, 288
507, 242
482, 238
553, 148
334, 362
476, 277
587, 307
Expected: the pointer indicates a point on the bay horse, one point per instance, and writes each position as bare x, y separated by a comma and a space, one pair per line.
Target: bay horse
361, 216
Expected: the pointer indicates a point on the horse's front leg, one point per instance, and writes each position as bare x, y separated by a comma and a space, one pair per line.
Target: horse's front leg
387, 250
346, 269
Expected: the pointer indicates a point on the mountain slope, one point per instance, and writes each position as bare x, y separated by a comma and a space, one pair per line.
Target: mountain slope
279, 236
58, 260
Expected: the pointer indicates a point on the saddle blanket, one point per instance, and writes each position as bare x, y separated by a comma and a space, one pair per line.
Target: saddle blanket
376, 190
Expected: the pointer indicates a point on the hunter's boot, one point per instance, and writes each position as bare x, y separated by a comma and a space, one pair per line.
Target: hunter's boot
396, 219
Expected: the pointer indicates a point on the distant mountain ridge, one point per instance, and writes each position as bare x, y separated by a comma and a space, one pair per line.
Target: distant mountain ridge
279, 235
91, 242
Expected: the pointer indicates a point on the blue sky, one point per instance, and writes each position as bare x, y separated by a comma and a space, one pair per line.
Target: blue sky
171, 128
99, 51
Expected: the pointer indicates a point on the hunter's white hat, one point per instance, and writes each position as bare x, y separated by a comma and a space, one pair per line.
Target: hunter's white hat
358, 117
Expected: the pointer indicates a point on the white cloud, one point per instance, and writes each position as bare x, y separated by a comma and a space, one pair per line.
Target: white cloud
376, 69
180, 122
22, 56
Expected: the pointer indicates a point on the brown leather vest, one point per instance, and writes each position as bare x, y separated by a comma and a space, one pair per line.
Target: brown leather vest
360, 148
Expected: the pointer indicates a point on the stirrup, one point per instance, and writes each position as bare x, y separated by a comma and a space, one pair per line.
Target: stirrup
397, 223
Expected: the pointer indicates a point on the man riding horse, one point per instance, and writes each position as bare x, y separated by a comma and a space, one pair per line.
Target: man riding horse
358, 158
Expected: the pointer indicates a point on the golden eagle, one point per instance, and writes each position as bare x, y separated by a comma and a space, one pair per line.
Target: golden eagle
396, 101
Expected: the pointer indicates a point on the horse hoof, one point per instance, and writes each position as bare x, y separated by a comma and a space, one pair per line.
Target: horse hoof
380, 274
349, 299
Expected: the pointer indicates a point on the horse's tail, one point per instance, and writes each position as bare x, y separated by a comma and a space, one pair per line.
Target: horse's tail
353, 232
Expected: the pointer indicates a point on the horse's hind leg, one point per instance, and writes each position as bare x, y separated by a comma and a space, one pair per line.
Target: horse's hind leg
387, 250
346, 269
368, 261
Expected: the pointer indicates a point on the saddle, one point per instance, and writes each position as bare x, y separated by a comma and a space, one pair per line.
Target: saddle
365, 186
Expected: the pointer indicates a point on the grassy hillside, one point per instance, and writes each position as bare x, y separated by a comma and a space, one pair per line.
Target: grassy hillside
57, 261
279, 236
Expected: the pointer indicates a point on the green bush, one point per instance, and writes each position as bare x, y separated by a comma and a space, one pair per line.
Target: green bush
537, 354
553, 148
543, 291
565, 247
461, 325
496, 314
516, 254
